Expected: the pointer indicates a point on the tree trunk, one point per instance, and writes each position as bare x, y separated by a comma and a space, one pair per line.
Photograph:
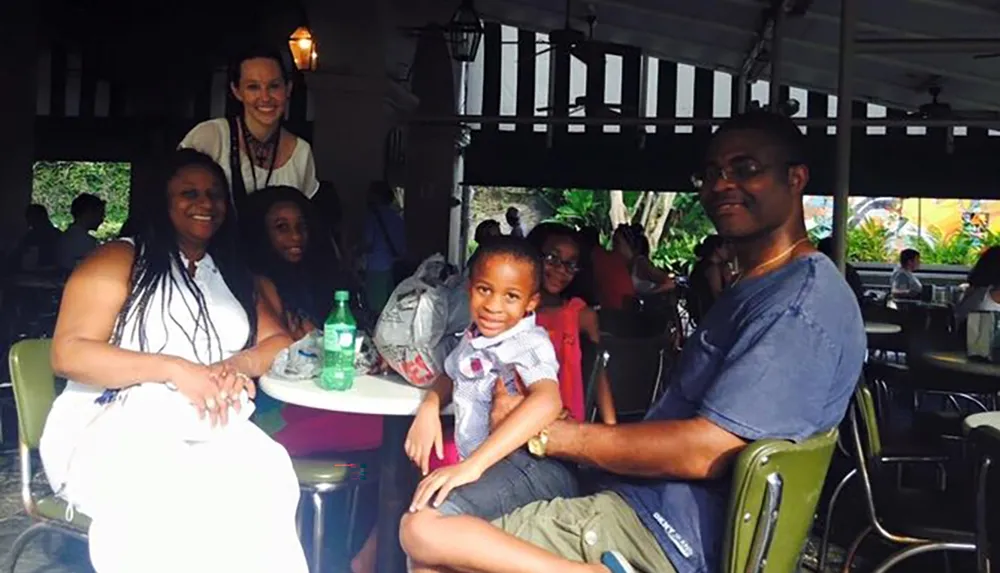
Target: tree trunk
618, 214
665, 205
647, 208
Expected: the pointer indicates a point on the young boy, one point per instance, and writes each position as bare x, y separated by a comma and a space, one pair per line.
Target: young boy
496, 474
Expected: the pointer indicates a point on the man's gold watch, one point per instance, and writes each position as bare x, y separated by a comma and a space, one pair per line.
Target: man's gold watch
537, 444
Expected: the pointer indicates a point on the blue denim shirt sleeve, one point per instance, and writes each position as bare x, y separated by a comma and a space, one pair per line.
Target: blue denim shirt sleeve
776, 385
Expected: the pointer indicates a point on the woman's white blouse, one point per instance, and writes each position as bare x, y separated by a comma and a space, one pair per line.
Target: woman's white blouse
212, 137
171, 328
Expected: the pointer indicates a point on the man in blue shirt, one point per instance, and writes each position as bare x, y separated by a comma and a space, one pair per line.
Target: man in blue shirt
777, 356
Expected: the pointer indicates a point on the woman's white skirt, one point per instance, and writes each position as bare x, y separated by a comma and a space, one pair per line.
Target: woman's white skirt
162, 504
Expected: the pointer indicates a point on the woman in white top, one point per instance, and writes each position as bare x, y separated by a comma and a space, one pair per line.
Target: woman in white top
265, 152
173, 309
984, 286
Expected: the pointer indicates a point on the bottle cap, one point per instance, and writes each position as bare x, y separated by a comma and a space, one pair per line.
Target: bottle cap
342, 296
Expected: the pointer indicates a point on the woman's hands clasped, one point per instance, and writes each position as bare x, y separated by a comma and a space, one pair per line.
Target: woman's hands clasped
212, 389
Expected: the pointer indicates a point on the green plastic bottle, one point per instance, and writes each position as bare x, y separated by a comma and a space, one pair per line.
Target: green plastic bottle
339, 332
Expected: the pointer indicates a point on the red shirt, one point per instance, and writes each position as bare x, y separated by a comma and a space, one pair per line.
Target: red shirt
563, 326
612, 279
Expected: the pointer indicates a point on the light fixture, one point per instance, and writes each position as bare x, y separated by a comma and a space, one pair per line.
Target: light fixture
303, 48
465, 33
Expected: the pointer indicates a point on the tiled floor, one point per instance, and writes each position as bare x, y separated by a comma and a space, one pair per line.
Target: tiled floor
60, 554
47, 553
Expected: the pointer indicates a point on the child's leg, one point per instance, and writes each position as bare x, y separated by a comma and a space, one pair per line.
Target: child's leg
513, 482
364, 561
576, 535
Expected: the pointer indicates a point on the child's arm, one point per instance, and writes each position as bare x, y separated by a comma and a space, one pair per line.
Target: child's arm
539, 369
605, 399
439, 394
540, 408
425, 435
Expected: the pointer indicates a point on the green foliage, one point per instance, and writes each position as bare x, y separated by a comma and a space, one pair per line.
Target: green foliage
580, 208
690, 216
956, 249
688, 226
57, 183
676, 250
868, 242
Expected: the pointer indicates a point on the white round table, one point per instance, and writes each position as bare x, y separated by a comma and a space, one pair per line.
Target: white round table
882, 328
981, 419
396, 401
387, 395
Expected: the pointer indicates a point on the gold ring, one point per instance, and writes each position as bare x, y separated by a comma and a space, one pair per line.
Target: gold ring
210, 404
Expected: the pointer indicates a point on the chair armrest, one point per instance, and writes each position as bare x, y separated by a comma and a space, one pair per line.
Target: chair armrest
913, 459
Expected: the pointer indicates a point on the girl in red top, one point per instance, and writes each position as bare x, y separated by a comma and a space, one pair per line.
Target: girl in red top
566, 318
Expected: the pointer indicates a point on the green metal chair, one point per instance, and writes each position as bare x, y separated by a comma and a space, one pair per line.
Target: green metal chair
776, 486
919, 521
319, 477
897, 455
34, 391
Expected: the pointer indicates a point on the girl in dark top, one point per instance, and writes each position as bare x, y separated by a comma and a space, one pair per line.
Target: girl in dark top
297, 276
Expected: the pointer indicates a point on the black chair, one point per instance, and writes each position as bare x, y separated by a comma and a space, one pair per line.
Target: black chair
985, 441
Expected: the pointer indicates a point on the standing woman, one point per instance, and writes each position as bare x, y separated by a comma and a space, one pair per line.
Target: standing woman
253, 148
173, 308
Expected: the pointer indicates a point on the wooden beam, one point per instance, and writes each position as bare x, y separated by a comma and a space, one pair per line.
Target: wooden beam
633, 86
817, 107
59, 70
492, 64
526, 58
597, 70
915, 166
666, 92
88, 82
559, 87
704, 96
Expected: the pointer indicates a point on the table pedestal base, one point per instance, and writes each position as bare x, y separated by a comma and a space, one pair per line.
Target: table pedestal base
397, 481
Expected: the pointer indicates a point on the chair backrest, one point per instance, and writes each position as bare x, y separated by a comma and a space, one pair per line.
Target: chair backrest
34, 387
636, 368
864, 401
986, 444
776, 486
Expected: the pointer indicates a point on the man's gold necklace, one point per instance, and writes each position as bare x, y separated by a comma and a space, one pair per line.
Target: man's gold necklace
770, 261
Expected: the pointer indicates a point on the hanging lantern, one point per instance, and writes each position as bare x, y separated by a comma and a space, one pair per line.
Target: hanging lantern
303, 48
465, 33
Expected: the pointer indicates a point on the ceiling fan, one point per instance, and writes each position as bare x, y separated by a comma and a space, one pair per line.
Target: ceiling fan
936, 109
580, 44
594, 107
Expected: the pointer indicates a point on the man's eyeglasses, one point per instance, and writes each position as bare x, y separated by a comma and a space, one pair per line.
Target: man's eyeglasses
571, 267
739, 170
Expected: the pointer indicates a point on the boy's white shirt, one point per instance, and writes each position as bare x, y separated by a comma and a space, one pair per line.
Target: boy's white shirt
476, 363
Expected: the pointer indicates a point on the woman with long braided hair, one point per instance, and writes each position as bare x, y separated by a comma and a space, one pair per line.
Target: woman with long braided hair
171, 314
